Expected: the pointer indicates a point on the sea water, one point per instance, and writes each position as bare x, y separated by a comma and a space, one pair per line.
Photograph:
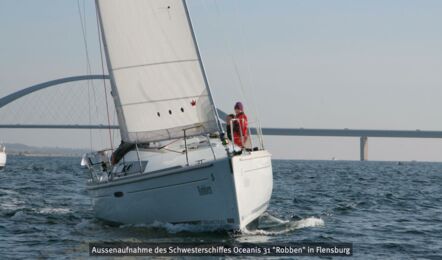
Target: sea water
388, 210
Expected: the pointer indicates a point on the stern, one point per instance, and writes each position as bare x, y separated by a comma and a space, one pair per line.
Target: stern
253, 179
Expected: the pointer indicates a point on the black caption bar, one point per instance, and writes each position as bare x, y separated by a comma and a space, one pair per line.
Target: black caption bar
194, 249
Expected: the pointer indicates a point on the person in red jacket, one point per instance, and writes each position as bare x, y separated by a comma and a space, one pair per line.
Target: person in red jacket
240, 138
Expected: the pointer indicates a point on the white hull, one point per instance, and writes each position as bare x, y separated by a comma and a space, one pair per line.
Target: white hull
227, 193
2, 159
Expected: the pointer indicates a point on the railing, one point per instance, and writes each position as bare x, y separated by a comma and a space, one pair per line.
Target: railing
249, 143
255, 125
186, 148
99, 165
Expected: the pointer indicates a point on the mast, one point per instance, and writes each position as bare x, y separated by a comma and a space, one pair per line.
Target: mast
203, 71
114, 90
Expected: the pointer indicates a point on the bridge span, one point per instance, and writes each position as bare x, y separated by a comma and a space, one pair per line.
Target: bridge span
363, 134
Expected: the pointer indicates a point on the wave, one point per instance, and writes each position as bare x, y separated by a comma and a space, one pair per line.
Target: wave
54, 210
11, 204
176, 228
264, 225
270, 225
7, 192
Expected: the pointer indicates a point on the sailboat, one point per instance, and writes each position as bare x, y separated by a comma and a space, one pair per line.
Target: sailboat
2, 157
173, 165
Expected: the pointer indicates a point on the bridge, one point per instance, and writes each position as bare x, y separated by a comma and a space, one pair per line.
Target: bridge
359, 133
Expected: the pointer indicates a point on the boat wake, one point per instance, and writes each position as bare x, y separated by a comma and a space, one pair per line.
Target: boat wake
270, 225
266, 224
174, 228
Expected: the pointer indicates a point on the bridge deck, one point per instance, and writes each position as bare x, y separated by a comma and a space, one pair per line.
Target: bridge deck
276, 131
266, 131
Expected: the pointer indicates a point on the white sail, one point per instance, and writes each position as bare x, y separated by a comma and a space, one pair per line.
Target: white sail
157, 78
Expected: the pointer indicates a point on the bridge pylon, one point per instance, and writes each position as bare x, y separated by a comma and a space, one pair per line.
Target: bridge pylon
364, 148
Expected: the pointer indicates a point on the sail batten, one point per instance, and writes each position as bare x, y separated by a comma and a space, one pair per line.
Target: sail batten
163, 100
159, 85
153, 64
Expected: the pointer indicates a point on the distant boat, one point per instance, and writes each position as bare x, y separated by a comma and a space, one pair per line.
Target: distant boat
173, 165
2, 157
413, 162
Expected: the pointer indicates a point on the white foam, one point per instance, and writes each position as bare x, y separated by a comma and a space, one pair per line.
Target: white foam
275, 219
268, 226
8, 191
310, 222
54, 210
176, 228
11, 204
283, 226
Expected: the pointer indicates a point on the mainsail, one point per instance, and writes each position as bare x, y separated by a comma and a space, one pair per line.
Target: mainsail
157, 78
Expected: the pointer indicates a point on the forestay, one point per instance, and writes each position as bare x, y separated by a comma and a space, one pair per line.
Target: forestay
158, 82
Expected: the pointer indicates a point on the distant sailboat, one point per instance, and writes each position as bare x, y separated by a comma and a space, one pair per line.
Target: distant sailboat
172, 165
2, 157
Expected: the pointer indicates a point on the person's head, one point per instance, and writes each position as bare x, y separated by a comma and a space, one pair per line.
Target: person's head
239, 107
229, 118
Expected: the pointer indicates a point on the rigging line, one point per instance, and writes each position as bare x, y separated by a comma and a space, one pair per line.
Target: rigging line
84, 27
229, 49
171, 150
237, 72
83, 30
241, 83
202, 69
84, 17
104, 81
114, 122
88, 65
249, 71
90, 83
169, 143
238, 75
90, 120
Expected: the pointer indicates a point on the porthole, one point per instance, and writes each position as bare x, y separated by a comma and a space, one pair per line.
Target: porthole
158, 114
170, 112
182, 110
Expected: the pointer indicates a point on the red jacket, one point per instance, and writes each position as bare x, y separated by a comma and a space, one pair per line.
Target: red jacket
243, 125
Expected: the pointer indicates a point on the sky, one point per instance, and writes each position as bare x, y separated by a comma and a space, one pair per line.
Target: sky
312, 64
